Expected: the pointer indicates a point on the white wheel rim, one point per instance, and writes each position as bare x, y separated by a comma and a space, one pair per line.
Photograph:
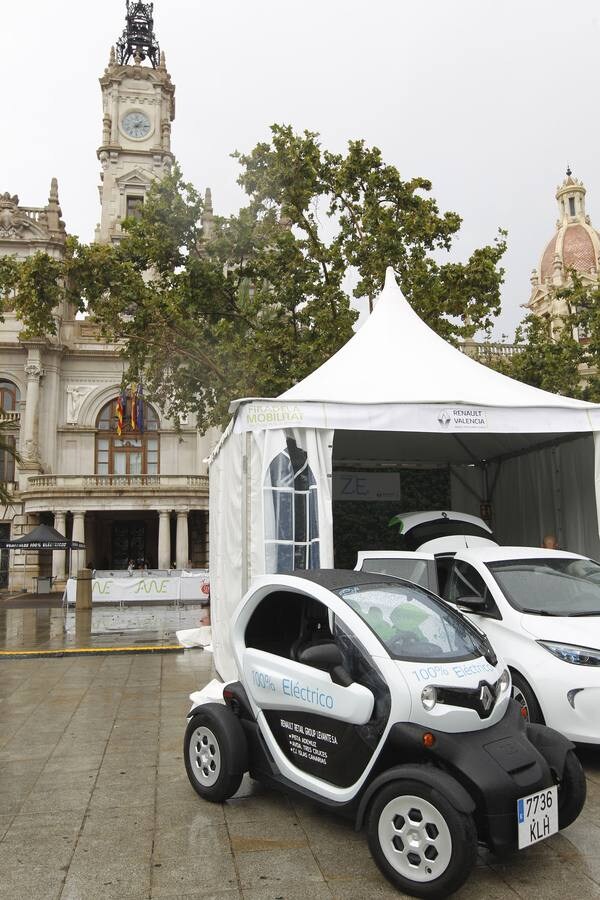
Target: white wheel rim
519, 696
205, 757
415, 838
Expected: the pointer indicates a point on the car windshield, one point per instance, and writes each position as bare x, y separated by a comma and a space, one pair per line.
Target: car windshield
552, 586
412, 624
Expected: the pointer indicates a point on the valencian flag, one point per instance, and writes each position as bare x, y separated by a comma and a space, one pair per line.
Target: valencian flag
121, 405
136, 407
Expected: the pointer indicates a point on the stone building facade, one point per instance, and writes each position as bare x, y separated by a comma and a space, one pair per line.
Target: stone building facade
141, 494
575, 245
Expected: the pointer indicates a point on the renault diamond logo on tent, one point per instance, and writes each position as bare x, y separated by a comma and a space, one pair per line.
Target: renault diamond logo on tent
444, 418
486, 697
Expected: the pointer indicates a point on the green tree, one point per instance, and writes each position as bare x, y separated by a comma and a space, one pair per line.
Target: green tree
259, 301
560, 355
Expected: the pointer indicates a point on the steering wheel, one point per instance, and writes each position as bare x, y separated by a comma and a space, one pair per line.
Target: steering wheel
401, 640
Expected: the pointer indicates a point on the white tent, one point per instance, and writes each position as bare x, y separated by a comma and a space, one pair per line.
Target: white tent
396, 393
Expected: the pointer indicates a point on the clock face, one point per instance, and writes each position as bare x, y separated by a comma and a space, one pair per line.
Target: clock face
136, 125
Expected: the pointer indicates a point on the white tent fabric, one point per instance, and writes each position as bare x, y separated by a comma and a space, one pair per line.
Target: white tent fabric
398, 394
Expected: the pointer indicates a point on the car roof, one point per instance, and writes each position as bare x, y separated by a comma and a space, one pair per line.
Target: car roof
334, 579
497, 554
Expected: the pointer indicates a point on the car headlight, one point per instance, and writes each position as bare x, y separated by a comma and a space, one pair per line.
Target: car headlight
428, 697
571, 653
504, 682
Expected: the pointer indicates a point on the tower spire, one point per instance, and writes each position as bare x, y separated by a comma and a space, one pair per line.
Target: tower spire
138, 40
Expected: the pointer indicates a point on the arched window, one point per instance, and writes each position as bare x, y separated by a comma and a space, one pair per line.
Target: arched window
291, 512
9, 396
136, 451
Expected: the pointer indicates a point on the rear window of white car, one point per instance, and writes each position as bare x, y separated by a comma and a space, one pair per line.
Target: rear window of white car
416, 570
551, 587
411, 624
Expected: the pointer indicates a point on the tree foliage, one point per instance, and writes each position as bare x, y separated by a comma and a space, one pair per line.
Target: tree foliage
258, 301
561, 355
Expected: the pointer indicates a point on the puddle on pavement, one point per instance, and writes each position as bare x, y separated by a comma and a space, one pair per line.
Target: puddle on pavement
106, 626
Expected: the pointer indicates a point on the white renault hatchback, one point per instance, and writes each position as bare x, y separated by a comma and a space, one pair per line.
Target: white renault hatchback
541, 611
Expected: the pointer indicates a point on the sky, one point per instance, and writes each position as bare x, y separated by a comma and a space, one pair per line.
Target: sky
488, 100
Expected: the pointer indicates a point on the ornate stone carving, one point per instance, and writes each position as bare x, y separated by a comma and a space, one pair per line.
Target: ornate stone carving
12, 220
33, 371
32, 450
76, 394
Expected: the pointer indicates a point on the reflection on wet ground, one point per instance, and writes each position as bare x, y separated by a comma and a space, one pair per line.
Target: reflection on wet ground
59, 628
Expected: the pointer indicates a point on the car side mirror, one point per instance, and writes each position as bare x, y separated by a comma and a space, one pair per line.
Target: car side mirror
327, 657
471, 603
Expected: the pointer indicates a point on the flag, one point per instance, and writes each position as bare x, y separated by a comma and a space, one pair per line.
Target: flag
120, 412
133, 407
140, 408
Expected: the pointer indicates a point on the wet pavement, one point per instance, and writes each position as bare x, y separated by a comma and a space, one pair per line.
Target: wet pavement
95, 803
28, 627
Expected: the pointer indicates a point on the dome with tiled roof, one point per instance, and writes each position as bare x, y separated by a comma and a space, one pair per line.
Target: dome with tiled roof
575, 245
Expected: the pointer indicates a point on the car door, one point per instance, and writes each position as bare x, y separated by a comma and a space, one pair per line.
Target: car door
328, 728
417, 567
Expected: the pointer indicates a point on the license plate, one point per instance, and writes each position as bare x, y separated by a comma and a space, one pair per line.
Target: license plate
537, 816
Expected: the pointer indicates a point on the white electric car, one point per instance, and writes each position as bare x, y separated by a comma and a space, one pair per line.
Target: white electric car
376, 699
541, 612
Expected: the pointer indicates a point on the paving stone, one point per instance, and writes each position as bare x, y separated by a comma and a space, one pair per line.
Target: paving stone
294, 891
107, 878
272, 868
194, 874
552, 880
189, 841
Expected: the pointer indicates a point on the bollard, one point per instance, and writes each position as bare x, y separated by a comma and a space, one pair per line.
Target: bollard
83, 596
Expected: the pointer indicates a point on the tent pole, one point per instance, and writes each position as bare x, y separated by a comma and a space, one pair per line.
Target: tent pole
246, 517
557, 494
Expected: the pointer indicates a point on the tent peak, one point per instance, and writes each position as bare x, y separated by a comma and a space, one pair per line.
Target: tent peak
390, 278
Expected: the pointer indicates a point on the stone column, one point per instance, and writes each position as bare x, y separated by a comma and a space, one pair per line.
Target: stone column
164, 539
34, 372
58, 556
182, 539
78, 556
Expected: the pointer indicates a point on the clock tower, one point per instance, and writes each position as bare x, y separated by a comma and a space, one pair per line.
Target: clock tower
138, 105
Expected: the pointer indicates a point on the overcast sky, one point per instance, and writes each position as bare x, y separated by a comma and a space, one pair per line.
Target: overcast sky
489, 100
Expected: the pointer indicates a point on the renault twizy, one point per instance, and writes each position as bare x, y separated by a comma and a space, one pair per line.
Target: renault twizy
371, 696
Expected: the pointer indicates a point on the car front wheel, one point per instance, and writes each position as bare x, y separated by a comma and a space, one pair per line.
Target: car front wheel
524, 696
421, 843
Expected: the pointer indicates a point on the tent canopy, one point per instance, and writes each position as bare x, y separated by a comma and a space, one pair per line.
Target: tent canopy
44, 537
397, 375
396, 358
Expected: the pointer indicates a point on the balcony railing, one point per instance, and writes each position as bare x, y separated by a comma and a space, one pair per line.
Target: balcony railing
118, 482
6, 416
488, 349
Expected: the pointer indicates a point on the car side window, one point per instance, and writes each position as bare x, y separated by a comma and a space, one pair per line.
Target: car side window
465, 581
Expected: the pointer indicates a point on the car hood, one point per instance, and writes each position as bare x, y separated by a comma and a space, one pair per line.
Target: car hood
584, 631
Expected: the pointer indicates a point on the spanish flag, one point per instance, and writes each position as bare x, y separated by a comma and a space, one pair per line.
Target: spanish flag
133, 394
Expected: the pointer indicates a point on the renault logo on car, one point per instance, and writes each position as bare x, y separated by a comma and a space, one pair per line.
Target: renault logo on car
486, 697
444, 418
